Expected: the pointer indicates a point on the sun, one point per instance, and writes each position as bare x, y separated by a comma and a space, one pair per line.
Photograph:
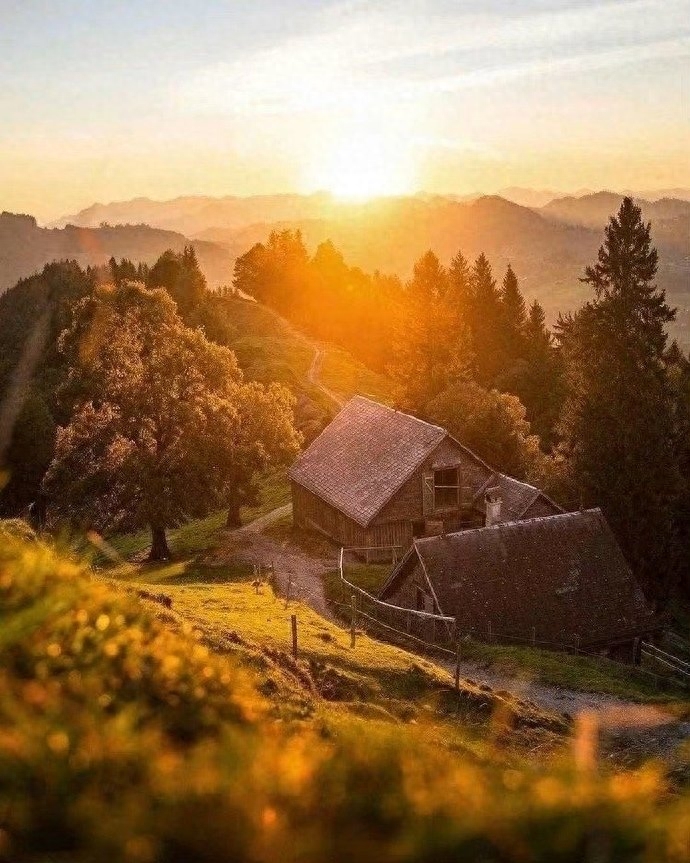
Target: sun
363, 166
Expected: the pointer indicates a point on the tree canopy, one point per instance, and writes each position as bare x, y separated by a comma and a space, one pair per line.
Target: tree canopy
163, 427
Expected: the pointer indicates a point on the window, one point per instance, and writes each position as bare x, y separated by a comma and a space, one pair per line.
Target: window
446, 488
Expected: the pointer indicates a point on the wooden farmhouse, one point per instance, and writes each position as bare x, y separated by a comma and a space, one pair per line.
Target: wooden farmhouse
559, 580
376, 478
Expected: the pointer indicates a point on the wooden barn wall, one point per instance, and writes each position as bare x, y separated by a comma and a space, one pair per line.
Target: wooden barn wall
309, 510
405, 594
407, 502
393, 525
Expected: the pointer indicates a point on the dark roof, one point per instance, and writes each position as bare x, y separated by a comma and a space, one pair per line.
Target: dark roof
516, 496
364, 456
564, 575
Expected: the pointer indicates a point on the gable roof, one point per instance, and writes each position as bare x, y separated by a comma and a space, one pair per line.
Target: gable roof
516, 497
364, 456
564, 575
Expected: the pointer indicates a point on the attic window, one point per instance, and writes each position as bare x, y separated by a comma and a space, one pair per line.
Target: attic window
446, 488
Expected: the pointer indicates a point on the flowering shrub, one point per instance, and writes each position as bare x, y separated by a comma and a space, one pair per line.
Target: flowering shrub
123, 738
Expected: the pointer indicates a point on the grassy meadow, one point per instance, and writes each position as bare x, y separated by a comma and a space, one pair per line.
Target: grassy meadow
136, 732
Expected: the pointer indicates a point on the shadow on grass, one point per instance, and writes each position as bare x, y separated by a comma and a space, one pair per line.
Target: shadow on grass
180, 572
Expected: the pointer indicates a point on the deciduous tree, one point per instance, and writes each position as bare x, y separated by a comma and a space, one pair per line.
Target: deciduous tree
164, 428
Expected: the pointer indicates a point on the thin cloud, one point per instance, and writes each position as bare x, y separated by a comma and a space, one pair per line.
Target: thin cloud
398, 52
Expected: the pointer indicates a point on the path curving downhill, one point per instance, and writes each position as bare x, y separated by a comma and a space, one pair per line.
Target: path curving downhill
313, 377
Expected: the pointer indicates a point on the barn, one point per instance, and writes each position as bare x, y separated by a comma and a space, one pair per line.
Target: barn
560, 580
378, 478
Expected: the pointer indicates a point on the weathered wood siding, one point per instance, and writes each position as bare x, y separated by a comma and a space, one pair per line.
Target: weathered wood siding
312, 512
394, 524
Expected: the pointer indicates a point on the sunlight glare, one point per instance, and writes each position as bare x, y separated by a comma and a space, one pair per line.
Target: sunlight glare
364, 166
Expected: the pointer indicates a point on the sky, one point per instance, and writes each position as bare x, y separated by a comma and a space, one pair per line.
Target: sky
103, 100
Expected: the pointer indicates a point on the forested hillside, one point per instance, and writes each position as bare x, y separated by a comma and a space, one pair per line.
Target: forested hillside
548, 246
26, 248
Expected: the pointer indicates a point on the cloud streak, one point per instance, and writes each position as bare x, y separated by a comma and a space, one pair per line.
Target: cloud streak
397, 53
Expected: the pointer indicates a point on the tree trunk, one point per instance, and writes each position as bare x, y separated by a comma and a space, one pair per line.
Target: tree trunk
234, 519
159, 543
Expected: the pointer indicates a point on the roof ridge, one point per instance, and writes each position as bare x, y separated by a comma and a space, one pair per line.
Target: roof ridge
358, 397
517, 522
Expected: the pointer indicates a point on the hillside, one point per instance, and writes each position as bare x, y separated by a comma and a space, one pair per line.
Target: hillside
25, 247
269, 349
180, 722
593, 210
192, 214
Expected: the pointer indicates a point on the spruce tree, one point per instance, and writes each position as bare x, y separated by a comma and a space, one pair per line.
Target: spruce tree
513, 304
618, 420
428, 353
486, 323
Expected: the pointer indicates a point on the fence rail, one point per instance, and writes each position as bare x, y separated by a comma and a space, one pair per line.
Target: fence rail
420, 628
668, 660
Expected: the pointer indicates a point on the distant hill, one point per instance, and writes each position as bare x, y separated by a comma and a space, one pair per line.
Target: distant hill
534, 197
25, 247
593, 210
549, 245
192, 214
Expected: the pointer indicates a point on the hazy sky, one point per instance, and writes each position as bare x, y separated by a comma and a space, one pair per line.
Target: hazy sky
110, 100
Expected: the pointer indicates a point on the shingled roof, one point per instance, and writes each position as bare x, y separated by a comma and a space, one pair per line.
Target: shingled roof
564, 575
516, 496
364, 456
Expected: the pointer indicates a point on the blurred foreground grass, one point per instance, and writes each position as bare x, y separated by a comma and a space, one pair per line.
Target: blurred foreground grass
127, 733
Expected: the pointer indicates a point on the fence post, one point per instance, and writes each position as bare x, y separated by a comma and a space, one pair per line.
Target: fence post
489, 632
353, 624
457, 666
294, 635
534, 636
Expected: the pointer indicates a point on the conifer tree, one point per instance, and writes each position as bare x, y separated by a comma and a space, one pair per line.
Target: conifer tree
514, 309
428, 352
486, 320
618, 420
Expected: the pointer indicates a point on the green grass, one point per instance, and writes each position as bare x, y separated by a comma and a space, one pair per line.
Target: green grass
587, 674
268, 349
198, 535
345, 376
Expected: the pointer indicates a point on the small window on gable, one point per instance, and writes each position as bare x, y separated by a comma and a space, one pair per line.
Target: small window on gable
446, 488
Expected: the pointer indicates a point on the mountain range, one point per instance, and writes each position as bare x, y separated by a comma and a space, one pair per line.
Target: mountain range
548, 244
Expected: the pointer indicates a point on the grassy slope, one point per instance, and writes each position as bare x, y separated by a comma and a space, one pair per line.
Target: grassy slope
269, 349
122, 737
197, 535
346, 377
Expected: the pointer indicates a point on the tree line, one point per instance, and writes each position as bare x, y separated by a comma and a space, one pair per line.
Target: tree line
138, 413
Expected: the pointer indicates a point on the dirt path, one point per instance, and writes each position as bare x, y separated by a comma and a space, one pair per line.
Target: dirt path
628, 731
294, 569
614, 711
313, 376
